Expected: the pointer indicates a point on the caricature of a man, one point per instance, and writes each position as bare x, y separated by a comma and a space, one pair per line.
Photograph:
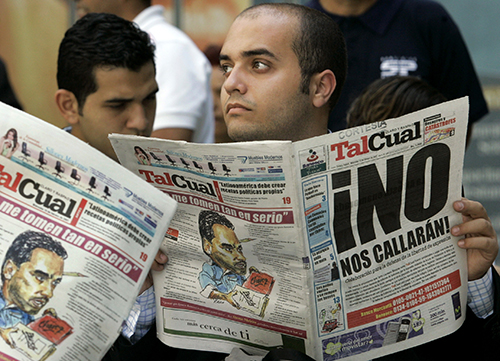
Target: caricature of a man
32, 268
229, 265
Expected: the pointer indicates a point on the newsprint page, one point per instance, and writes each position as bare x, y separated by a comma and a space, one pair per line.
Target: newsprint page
338, 246
78, 234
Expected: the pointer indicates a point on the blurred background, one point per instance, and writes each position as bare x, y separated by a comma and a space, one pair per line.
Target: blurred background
31, 30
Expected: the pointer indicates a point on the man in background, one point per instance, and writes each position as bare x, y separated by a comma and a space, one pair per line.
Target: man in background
402, 37
184, 102
106, 79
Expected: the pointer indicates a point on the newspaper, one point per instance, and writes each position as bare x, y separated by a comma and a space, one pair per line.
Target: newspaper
341, 245
88, 229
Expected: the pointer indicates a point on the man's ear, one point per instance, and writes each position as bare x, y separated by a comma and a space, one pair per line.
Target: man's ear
9, 269
207, 246
68, 106
322, 87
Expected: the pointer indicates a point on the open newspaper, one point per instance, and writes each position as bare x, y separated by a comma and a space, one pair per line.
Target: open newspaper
78, 234
338, 246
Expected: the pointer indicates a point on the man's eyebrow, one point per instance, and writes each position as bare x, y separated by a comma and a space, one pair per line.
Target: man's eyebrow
255, 52
118, 100
128, 100
250, 53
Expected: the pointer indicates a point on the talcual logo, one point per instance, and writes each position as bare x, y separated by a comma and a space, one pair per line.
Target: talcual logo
313, 156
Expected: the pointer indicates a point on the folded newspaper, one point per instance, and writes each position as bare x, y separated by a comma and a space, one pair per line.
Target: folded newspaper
78, 234
338, 246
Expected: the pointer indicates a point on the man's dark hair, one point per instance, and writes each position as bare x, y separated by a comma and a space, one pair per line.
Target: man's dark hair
212, 53
99, 40
21, 249
207, 219
318, 44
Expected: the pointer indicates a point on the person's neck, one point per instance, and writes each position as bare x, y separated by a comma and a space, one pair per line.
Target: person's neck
130, 13
347, 7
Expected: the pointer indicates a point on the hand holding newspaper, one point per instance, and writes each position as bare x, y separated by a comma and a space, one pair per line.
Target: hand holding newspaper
78, 234
338, 246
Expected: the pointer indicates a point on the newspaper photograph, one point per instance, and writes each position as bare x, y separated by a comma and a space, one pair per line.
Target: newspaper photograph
338, 246
78, 235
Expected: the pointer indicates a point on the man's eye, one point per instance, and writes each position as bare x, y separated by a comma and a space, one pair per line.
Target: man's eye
116, 105
259, 65
225, 69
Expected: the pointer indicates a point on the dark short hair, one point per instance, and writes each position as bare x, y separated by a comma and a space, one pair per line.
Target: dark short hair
392, 97
212, 52
206, 221
99, 40
22, 247
319, 44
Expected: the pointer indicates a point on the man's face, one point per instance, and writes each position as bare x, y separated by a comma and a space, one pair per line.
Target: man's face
33, 284
226, 250
124, 103
84, 7
261, 97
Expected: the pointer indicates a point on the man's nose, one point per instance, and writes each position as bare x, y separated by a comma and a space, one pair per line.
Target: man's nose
235, 81
138, 118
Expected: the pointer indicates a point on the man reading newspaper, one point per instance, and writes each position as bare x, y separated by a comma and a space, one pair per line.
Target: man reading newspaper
106, 79
274, 89
284, 66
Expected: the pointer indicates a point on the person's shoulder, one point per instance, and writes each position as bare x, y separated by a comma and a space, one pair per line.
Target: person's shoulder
425, 8
426, 14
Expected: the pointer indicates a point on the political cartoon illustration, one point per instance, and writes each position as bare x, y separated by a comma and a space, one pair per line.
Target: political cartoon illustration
225, 276
32, 268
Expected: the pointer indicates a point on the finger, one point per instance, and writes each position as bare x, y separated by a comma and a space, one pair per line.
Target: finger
479, 226
470, 209
161, 258
483, 244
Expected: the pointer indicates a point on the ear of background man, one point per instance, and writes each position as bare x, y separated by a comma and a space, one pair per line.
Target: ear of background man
68, 106
322, 87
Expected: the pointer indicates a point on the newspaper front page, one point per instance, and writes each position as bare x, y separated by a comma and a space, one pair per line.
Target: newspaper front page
78, 234
338, 246
377, 201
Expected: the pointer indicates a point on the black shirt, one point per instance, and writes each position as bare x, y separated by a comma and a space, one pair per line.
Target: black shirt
406, 37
